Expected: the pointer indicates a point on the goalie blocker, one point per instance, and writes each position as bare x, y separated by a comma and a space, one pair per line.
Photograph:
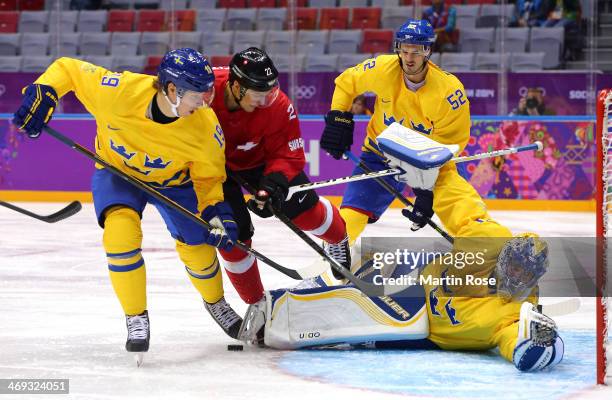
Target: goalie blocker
417, 155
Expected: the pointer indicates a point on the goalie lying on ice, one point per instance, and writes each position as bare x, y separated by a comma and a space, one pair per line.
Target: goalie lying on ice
444, 313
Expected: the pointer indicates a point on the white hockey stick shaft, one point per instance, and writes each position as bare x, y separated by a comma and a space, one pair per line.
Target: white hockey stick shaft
393, 171
537, 146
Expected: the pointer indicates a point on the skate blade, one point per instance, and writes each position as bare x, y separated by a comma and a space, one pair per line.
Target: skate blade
139, 358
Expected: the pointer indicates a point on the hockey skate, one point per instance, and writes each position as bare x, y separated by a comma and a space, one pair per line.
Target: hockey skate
252, 328
138, 335
341, 252
225, 316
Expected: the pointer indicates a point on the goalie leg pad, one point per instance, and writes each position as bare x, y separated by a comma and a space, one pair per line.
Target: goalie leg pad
341, 314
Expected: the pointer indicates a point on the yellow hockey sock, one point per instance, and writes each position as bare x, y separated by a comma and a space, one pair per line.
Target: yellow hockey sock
122, 240
355, 223
203, 269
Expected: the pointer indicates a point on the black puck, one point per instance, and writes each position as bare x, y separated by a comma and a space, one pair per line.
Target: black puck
235, 347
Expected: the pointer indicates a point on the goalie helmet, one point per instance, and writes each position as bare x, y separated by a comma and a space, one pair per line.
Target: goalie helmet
521, 263
187, 69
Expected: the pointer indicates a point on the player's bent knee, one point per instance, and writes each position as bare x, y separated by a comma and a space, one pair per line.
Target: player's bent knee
530, 357
122, 230
197, 257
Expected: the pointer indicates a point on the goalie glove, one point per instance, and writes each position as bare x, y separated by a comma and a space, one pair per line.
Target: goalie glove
538, 345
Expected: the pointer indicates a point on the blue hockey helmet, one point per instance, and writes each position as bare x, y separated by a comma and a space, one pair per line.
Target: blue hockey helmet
415, 31
187, 69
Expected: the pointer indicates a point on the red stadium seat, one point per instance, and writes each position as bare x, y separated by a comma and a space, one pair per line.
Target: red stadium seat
8, 5
151, 20
31, 5
9, 21
334, 18
262, 3
152, 65
300, 3
366, 18
480, 2
231, 4
183, 20
306, 18
120, 21
220, 61
376, 41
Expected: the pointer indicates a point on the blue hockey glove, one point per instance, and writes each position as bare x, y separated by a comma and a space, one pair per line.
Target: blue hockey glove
338, 133
422, 211
225, 230
39, 102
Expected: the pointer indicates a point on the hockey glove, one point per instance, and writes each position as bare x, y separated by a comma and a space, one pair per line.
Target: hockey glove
225, 230
338, 133
39, 102
422, 210
273, 189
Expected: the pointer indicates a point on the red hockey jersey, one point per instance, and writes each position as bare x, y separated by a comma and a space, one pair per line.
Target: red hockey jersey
267, 136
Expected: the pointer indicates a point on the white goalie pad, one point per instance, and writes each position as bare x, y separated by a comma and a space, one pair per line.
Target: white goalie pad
416, 154
341, 314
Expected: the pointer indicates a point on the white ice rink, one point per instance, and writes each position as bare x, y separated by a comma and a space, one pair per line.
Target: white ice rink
59, 318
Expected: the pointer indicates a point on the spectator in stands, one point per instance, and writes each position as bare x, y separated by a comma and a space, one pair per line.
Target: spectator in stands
443, 18
533, 104
529, 13
85, 4
567, 14
562, 13
359, 106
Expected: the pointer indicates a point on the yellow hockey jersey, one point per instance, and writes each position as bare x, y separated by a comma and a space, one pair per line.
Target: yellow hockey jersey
162, 155
466, 313
439, 109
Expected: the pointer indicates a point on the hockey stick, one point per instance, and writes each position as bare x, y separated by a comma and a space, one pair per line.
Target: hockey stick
393, 171
536, 146
64, 213
398, 195
367, 288
165, 200
564, 307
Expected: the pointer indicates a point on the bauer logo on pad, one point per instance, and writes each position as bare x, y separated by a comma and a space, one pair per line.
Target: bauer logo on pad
420, 151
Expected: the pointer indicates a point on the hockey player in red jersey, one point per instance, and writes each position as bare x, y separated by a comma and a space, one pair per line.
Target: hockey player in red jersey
263, 145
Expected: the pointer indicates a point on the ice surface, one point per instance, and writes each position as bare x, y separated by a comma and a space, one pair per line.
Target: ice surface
59, 318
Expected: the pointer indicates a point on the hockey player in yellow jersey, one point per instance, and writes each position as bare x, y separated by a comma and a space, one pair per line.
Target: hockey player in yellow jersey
480, 295
411, 91
161, 131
